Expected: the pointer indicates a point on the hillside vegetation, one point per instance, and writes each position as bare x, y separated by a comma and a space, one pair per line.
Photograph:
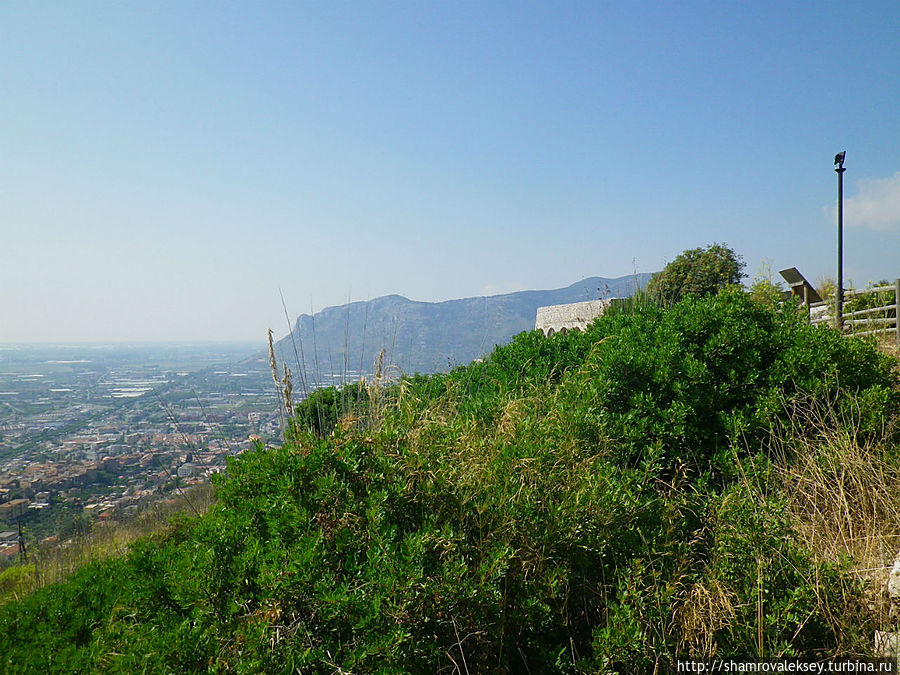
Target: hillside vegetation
672, 482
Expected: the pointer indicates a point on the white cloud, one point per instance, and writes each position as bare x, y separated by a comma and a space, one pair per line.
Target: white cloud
876, 204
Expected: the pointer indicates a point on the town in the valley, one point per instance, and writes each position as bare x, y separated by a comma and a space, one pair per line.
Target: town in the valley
98, 432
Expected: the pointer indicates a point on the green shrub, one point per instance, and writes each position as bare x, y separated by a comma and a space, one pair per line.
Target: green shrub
679, 386
697, 272
323, 409
52, 631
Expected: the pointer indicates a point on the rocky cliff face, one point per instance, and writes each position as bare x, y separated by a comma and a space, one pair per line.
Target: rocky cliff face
340, 343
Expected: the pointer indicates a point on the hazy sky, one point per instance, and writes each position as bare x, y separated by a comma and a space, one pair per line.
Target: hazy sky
166, 168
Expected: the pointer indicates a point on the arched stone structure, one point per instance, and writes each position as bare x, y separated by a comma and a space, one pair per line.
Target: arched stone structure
561, 318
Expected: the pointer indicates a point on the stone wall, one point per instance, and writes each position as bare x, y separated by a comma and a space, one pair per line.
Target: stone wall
560, 318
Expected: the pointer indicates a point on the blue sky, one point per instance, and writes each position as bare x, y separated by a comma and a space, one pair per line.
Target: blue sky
166, 168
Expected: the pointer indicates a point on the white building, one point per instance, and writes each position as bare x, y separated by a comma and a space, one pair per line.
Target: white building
561, 318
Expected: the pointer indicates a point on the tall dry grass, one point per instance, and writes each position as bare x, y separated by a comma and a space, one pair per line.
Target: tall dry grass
51, 563
843, 493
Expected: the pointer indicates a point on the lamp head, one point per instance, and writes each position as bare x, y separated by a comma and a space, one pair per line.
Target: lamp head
839, 159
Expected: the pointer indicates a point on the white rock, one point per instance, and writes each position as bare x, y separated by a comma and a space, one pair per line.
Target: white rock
893, 584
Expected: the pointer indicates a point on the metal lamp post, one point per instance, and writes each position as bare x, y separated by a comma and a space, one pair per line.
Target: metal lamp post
839, 291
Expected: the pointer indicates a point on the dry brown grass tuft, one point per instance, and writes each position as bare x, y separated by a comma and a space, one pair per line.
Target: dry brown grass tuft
843, 494
707, 608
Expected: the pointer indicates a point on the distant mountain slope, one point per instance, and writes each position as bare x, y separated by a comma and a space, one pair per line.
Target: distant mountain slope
426, 337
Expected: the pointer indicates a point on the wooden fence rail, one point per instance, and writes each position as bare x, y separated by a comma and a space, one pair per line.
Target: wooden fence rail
873, 320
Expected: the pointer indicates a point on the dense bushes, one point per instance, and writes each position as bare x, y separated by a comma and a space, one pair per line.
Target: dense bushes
321, 411
688, 383
697, 272
579, 503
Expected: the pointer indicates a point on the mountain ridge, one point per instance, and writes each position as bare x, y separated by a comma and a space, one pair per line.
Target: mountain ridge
341, 342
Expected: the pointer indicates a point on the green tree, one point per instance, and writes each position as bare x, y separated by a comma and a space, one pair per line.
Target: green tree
697, 272
765, 289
